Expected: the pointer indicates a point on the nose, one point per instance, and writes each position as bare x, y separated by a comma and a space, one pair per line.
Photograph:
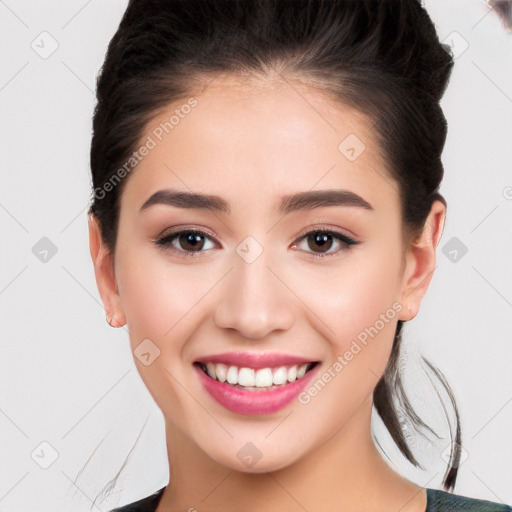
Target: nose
254, 301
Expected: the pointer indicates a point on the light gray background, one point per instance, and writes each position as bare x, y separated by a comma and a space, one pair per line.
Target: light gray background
69, 389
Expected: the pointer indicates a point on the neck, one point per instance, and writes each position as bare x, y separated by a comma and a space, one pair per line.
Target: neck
346, 473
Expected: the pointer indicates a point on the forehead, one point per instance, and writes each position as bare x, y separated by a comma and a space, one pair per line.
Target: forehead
252, 141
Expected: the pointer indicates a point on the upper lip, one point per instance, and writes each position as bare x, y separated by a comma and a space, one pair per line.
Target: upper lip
255, 359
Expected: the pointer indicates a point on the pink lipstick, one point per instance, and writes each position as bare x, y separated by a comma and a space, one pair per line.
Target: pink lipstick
254, 383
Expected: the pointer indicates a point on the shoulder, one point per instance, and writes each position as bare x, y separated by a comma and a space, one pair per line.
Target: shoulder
442, 501
147, 504
437, 501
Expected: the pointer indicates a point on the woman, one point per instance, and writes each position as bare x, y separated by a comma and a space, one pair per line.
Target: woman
265, 217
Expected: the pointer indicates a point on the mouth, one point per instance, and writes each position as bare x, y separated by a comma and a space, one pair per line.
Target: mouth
258, 384
256, 379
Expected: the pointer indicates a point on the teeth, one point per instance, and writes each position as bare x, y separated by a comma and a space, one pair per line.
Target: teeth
210, 369
232, 376
292, 374
221, 370
246, 377
259, 378
301, 371
263, 378
280, 375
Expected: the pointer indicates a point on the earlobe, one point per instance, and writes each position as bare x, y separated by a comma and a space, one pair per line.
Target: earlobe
421, 262
104, 273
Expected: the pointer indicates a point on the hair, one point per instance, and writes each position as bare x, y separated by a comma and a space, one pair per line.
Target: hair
381, 57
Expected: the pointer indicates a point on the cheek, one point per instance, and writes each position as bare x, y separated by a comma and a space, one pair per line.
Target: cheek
159, 301
157, 296
355, 294
358, 303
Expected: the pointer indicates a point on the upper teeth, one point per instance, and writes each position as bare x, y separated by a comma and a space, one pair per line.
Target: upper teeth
259, 377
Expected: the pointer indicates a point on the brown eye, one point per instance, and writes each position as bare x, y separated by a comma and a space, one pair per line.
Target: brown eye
320, 241
187, 242
190, 241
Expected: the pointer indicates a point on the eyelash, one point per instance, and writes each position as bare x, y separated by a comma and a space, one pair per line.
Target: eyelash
165, 242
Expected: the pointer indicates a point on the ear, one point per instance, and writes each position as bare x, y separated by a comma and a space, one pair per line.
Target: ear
103, 262
420, 262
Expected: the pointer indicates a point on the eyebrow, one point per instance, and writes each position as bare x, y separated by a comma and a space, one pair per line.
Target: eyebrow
291, 203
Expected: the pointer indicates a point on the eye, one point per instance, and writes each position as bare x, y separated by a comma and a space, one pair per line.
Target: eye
191, 242
324, 240
187, 242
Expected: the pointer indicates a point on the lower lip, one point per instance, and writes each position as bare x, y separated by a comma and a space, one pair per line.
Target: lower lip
253, 402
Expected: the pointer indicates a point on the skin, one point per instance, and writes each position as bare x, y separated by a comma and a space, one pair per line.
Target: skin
251, 143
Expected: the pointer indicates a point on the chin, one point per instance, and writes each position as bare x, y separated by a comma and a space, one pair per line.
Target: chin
250, 460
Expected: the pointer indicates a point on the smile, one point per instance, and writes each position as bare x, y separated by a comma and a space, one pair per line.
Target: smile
254, 379
257, 384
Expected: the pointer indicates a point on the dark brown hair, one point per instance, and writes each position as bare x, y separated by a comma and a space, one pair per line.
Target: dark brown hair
382, 57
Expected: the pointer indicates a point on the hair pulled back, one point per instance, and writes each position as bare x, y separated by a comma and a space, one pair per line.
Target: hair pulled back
382, 57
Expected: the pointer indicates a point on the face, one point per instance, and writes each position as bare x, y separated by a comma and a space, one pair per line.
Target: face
260, 285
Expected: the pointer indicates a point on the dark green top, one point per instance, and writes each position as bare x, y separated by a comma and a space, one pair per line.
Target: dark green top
437, 501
